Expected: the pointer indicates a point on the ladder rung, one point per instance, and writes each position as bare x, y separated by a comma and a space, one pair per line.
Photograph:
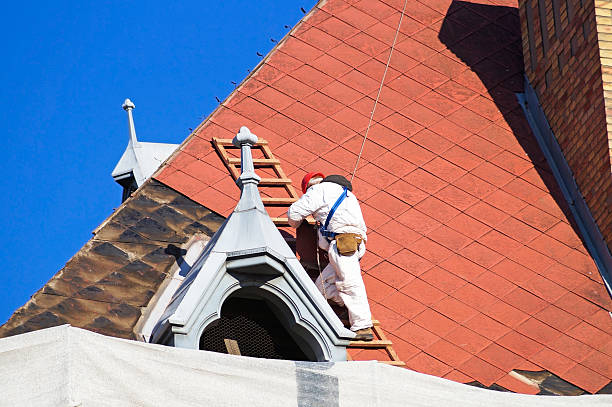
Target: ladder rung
280, 221
256, 161
370, 344
228, 142
393, 362
274, 181
277, 201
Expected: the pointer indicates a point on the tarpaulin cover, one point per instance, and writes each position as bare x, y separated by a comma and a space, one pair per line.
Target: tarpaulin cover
66, 366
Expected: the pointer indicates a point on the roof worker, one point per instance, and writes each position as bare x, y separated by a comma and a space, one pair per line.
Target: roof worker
342, 234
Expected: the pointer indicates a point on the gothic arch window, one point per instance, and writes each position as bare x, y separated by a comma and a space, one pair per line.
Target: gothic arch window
253, 324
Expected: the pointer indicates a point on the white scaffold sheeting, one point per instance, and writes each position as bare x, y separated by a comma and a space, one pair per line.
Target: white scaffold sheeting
66, 366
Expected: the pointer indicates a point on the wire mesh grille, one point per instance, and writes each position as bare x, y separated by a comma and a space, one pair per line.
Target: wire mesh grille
253, 325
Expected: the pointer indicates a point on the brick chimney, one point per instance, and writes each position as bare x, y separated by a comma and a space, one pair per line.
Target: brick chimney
567, 49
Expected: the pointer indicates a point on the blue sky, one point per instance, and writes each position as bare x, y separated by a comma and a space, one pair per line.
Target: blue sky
65, 71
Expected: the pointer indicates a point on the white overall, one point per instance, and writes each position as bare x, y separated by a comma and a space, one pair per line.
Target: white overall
341, 279
342, 283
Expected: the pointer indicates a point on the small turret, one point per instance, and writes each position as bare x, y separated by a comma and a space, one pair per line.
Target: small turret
140, 160
248, 291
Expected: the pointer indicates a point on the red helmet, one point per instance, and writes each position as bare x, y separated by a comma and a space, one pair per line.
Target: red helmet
307, 179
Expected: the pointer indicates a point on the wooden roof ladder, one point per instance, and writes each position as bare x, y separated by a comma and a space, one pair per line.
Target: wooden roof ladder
380, 342
278, 178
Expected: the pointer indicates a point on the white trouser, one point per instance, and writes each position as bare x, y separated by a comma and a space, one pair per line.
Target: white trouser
341, 282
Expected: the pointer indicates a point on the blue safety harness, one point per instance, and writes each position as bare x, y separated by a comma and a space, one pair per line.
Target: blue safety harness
329, 235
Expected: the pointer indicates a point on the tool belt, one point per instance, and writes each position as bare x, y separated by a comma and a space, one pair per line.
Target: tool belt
348, 243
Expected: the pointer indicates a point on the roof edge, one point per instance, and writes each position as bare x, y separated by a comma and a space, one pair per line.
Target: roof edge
240, 86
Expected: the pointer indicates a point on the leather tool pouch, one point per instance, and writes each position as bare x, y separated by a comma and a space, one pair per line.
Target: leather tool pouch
347, 243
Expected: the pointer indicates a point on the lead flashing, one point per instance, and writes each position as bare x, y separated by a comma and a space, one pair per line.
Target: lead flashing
593, 239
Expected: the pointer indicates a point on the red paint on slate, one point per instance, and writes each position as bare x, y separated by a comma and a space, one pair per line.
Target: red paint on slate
472, 267
517, 386
500, 357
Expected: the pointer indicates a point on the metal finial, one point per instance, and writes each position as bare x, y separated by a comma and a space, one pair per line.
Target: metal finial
128, 105
245, 139
244, 136
248, 179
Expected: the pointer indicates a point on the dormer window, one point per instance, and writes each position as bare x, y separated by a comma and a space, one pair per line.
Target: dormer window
248, 294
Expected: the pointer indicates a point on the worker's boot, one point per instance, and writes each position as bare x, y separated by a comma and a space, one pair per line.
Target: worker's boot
364, 334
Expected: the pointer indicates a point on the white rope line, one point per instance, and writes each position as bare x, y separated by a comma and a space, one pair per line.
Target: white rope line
320, 272
365, 137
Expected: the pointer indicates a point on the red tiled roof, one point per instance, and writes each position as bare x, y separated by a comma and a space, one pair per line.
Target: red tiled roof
473, 267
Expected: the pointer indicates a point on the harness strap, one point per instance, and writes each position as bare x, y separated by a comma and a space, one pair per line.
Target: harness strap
324, 231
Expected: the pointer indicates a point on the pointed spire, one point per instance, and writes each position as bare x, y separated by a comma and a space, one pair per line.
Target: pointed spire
248, 180
140, 159
128, 106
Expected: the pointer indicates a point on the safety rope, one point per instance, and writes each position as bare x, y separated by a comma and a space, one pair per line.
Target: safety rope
379, 90
321, 273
